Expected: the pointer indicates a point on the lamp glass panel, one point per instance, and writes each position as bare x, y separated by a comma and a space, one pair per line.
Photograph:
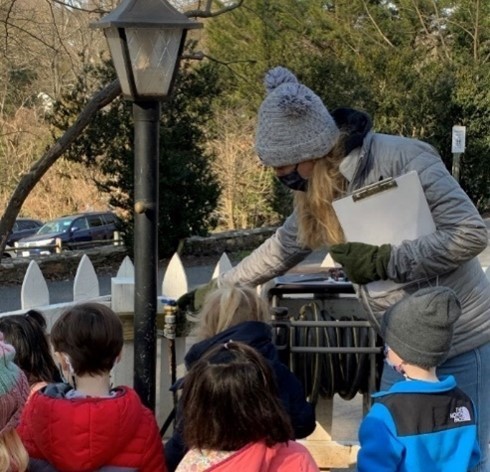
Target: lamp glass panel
117, 53
154, 55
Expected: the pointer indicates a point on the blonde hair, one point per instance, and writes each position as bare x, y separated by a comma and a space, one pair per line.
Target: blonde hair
228, 306
318, 224
13, 454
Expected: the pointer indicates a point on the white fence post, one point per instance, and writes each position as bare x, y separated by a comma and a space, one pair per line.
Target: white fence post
34, 291
175, 282
122, 302
223, 265
122, 288
86, 283
174, 285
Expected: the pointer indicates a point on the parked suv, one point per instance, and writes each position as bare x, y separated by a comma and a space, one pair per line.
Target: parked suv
22, 228
75, 232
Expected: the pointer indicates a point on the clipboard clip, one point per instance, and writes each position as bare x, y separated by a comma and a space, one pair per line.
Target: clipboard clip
375, 188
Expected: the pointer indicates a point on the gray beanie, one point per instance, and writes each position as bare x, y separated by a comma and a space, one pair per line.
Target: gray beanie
293, 124
419, 328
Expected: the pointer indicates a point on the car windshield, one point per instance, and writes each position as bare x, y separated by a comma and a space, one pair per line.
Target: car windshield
56, 226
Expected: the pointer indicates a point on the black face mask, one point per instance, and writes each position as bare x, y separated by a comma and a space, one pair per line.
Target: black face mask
294, 181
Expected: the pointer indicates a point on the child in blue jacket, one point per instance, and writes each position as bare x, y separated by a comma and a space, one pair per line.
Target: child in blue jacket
423, 423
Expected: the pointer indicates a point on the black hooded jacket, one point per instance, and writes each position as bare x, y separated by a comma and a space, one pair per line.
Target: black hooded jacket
259, 336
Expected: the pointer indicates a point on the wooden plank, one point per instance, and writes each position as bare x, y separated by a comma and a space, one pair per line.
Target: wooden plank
127, 320
327, 452
324, 416
332, 454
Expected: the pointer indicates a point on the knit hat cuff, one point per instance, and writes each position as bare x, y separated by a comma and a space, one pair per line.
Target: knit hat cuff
277, 156
413, 355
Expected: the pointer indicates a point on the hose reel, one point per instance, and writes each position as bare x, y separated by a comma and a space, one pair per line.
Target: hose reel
326, 373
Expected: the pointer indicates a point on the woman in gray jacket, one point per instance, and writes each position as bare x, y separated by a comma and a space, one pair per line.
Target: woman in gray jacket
324, 157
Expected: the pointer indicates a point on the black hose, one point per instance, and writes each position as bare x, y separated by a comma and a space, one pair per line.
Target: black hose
307, 366
326, 374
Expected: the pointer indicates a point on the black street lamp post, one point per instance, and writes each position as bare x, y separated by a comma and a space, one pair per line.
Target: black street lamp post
146, 38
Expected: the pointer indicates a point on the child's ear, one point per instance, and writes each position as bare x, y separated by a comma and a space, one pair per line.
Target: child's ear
118, 358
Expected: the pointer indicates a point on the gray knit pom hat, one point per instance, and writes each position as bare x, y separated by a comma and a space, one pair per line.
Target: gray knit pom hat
419, 328
293, 124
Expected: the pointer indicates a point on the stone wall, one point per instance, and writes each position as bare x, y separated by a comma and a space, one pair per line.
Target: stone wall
229, 242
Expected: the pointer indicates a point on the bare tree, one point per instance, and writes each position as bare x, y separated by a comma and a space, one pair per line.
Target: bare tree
32, 177
245, 183
28, 180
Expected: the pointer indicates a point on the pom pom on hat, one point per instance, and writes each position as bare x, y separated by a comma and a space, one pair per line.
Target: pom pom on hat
293, 124
419, 328
278, 76
14, 388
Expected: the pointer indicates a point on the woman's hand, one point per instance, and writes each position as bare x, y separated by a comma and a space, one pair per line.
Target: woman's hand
363, 263
192, 301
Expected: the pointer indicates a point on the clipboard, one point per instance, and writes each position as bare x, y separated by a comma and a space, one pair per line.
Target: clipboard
389, 211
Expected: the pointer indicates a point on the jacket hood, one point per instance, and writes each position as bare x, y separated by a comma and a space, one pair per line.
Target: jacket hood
88, 432
355, 123
254, 333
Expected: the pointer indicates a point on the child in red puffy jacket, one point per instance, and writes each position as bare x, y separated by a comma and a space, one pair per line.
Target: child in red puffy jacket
83, 423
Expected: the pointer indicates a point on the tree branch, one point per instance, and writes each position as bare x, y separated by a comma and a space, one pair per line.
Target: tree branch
378, 29
40, 167
208, 13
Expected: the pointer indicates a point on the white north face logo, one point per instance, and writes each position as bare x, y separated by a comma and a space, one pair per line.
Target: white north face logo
460, 414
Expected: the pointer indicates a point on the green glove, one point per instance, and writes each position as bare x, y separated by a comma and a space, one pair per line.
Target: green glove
362, 263
192, 301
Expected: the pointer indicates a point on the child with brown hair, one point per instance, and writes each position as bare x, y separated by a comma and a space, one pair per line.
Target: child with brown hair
14, 390
84, 424
233, 417
27, 333
238, 313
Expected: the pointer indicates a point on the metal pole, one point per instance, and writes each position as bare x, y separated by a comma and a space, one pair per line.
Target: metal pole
146, 156
456, 165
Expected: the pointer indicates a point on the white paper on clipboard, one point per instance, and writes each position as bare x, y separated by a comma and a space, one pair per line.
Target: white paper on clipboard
389, 211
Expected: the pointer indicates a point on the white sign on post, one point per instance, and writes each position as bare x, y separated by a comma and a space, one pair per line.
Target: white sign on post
459, 139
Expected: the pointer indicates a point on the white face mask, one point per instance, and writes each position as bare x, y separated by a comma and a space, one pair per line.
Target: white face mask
62, 374
70, 369
68, 363
397, 368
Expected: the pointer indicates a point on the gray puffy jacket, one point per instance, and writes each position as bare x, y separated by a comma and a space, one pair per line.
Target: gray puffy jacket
446, 257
